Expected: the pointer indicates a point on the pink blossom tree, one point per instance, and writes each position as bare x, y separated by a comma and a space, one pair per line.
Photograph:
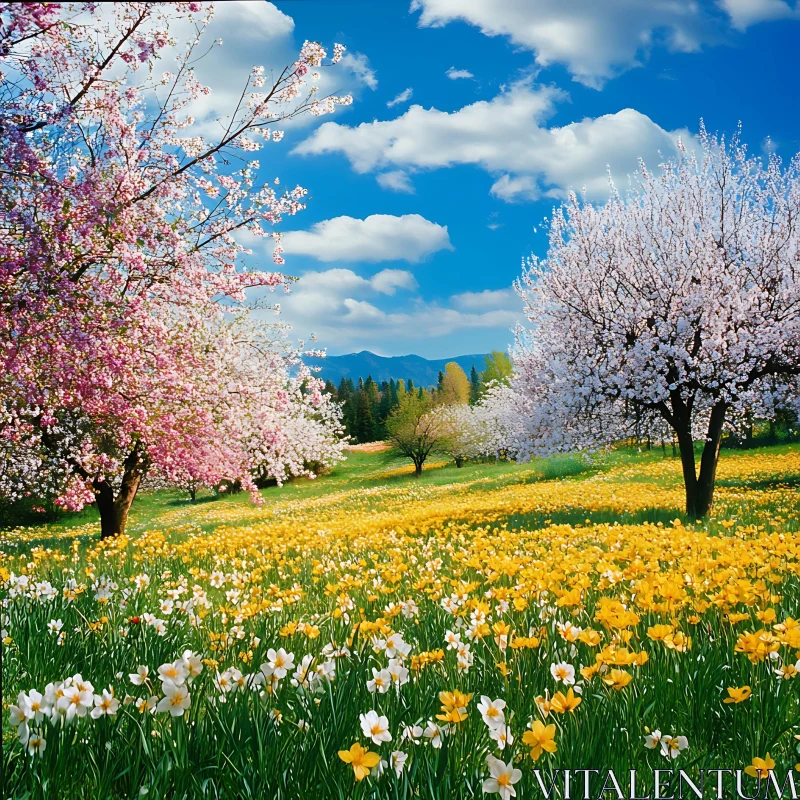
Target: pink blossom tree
679, 301
119, 256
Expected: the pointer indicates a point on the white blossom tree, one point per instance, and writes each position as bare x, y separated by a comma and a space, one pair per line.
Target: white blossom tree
678, 301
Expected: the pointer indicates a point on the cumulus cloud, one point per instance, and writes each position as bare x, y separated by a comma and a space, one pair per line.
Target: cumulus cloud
344, 310
403, 97
506, 136
396, 180
595, 40
379, 237
388, 281
744, 13
454, 74
488, 299
358, 65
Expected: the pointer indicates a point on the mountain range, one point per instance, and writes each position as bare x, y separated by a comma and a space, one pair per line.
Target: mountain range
423, 371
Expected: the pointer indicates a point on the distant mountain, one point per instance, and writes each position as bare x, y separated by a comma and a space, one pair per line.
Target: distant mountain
423, 371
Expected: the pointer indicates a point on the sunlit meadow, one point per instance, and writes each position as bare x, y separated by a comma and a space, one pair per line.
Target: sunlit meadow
373, 635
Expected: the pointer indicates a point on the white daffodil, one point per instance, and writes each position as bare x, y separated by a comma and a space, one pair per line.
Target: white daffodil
176, 699
563, 672
140, 676
672, 746
375, 727
492, 711
502, 780
104, 703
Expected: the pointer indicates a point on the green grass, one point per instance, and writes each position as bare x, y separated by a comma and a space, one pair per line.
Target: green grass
234, 750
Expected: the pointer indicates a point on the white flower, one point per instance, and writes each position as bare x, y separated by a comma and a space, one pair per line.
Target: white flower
75, 702
395, 646
434, 733
278, 663
563, 672
375, 727
397, 673
381, 680
453, 640
55, 626
412, 733
192, 663
104, 703
671, 746
399, 759
502, 735
140, 676
175, 672
36, 744
652, 740
176, 699
37, 706
503, 778
492, 711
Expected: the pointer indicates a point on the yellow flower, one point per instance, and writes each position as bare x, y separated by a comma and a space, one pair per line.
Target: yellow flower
561, 703
618, 679
590, 637
453, 706
589, 672
658, 633
760, 768
738, 695
540, 738
679, 642
360, 759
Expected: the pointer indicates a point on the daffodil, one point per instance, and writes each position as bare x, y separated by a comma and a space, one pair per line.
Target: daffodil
760, 768
540, 738
375, 727
502, 780
563, 672
737, 694
561, 703
492, 711
360, 759
618, 679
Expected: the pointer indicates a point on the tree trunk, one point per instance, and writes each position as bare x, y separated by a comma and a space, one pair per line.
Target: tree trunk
114, 510
459, 461
700, 488
418, 468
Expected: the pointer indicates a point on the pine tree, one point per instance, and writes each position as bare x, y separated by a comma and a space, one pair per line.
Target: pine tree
474, 385
364, 421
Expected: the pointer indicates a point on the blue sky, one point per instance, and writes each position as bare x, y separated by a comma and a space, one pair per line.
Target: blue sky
421, 211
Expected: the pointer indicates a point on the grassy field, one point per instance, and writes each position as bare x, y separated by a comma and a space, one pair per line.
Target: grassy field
573, 590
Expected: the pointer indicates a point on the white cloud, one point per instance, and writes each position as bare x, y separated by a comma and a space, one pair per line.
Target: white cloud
248, 31
358, 64
379, 237
511, 189
396, 181
454, 74
403, 97
508, 138
343, 310
488, 299
595, 40
744, 13
388, 281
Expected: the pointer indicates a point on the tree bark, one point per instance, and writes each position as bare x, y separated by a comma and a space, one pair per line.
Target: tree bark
114, 510
700, 487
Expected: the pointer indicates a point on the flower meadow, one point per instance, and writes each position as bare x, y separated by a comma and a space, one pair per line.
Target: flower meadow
393, 638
